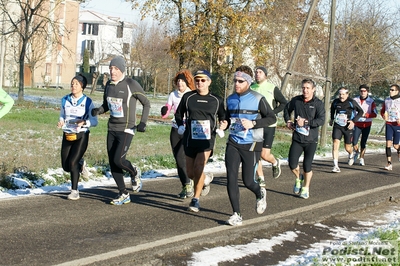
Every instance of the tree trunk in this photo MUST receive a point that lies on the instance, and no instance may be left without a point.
(21, 71)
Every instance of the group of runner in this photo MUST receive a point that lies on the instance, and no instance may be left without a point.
(248, 116)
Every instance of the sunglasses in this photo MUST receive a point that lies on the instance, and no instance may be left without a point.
(202, 80)
(363, 90)
(238, 80)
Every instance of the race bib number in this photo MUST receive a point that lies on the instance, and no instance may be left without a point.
(71, 126)
(201, 129)
(236, 128)
(393, 114)
(303, 130)
(115, 106)
(341, 119)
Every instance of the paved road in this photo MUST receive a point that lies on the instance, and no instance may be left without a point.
(156, 229)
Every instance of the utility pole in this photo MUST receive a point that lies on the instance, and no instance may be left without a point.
(328, 85)
(299, 44)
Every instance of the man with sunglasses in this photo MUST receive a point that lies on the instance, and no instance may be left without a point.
(277, 101)
(362, 126)
(248, 113)
(202, 111)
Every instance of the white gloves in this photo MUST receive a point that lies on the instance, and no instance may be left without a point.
(220, 133)
(181, 130)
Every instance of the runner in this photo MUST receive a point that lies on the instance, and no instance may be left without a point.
(391, 114)
(309, 114)
(363, 124)
(184, 82)
(342, 118)
(75, 121)
(248, 113)
(201, 109)
(277, 101)
(120, 98)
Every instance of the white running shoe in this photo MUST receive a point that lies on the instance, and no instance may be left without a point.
(362, 161)
(137, 181)
(121, 199)
(336, 169)
(209, 178)
(261, 205)
(83, 169)
(235, 219)
(74, 195)
(389, 167)
(351, 159)
(207, 181)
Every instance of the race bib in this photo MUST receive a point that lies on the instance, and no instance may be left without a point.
(115, 106)
(71, 126)
(201, 129)
(305, 130)
(393, 114)
(236, 128)
(341, 119)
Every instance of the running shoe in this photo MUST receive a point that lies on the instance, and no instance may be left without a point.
(187, 191)
(83, 168)
(351, 159)
(261, 204)
(207, 181)
(136, 180)
(298, 184)
(194, 205)
(261, 181)
(336, 169)
(209, 178)
(235, 219)
(362, 161)
(355, 156)
(182, 194)
(74, 195)
(304, 193)
(121, 199)
(389, 167)
(276, 170)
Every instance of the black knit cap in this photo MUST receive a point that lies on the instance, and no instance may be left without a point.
(263, 69)
(81, 79)
(182, 77)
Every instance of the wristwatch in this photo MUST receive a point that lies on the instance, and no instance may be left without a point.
(254, 123)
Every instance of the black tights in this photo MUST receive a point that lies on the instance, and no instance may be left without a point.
(118, 144)
(71, 153)
(249, 160)
(179, 155)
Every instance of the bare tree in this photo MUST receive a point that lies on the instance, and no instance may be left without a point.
(150, 54)
(28, 19)
(366, 48)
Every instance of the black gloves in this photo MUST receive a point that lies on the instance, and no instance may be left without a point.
(95, 111)
(141, 127)
(164, 110)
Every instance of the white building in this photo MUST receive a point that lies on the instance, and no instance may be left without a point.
(104, 37)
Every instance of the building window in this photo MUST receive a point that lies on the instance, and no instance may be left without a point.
(90, 29)
(48, 69)
(120, 30)
(89, 45)
(125, 48)
(59, 69)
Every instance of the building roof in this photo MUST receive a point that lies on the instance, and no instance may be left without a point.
(87, 16)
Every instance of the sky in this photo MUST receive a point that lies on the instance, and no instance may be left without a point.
(116, 8)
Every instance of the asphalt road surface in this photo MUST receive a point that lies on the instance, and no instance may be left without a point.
(157, 229)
